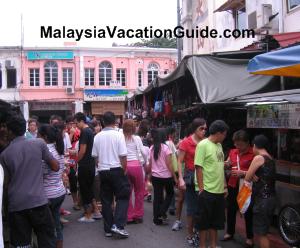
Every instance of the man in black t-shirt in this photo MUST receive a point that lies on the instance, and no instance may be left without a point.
(86, 166)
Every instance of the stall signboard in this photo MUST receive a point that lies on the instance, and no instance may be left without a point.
(38, 55)
(46, 106)
(274, 116)
(111, 95)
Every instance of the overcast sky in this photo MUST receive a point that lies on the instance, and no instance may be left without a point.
(80, 14)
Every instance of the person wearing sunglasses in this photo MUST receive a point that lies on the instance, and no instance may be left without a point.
(186, 154)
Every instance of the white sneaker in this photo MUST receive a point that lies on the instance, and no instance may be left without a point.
(97, 216)
(63, 220)
(86, 220)
(177, 225)
(121, 233)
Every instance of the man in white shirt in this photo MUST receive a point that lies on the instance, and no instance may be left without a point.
(111, 153)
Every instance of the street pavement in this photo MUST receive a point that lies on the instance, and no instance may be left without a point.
(91, 235)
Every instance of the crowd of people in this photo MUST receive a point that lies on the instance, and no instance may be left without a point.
(107, 170)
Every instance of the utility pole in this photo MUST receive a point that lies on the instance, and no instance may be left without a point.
(178, 39)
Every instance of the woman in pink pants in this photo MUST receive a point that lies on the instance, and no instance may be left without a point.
(135, 156)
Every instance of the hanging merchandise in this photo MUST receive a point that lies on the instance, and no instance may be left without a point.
(158, 107)
(167, 109)
(158, 104)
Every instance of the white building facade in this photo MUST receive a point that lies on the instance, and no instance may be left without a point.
(265, 17)
(10, 74)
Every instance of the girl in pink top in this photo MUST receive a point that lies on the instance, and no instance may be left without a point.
(162, 175)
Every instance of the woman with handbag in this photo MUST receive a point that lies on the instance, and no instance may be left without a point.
(136, 156)
(239, 160)
(186, 154)
(262, 173)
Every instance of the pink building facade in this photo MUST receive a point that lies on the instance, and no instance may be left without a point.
(65, 81)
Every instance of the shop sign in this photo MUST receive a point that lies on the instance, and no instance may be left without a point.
(38, 55)
(40, 106)
(112, 95)
(115, 83)
(274, 116)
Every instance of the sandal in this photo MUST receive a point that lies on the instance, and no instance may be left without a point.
(227, 237)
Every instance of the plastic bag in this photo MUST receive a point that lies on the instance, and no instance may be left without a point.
(244, 197)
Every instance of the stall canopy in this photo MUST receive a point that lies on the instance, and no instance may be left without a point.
(284, 62)
(286, 96)
(217, 79)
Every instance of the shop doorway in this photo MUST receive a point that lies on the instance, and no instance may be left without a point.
(44, 115)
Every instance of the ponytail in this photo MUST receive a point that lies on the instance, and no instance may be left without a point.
(159, 137)
(59, 139)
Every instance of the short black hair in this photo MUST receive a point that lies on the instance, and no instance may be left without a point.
(218, 126)
(16, 124)
(170, 130)
(241, 135)
(109, 118)
(55, 117)
(196, 123)
(69, 119)
(80, 117)
(261, 142)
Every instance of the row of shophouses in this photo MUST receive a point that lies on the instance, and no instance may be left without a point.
(69, 79)
(62, 81)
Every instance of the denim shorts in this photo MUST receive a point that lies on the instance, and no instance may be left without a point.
(190, 198)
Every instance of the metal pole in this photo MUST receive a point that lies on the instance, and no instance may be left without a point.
(178, 39)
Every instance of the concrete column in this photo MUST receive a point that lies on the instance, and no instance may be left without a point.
(78, 106)
(4, 78)
(26, 111)
(81, 72)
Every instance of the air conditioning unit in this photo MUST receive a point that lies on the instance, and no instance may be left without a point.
(259, 19)
(69, 90)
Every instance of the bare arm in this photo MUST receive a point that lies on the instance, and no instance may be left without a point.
(257, 162)
(81, 152)
(170, 166)
(199, 176)
(180, 158)
(54, 165)
(123, 160)
(149, 167)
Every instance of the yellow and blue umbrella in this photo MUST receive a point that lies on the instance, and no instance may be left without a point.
(284, 62)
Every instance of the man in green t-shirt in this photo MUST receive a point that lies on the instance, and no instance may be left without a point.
(209, 163)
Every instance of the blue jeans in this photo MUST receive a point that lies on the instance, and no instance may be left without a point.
(55, 204)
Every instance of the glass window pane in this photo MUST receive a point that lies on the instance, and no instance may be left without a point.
(293, 4)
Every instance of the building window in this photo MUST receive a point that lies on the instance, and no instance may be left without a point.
(11, 78)
(240, 18)
(67, 76)
(89, 76)
(121, 76)
(51, 73)
(105, 73)
(34, 77)
(140, 78)
(292, 4)
(152, 72)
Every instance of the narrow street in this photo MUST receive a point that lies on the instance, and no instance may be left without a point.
(91, 235)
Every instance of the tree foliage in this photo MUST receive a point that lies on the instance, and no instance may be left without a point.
(156, 42)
